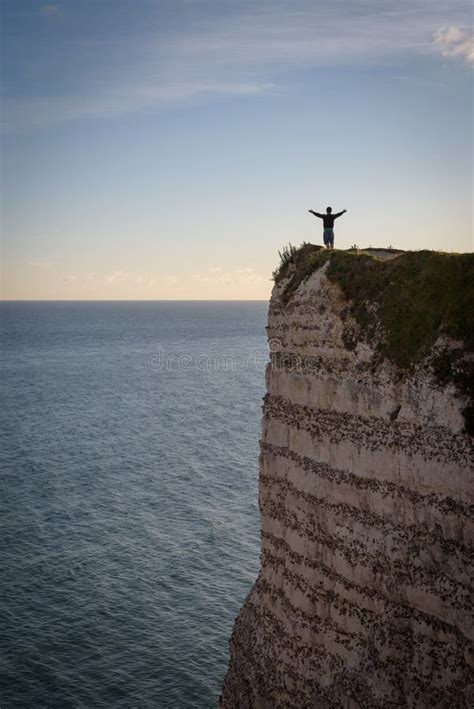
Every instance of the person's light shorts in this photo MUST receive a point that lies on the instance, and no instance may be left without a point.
(328, 237)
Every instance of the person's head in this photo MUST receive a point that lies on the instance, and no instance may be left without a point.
(328, 210)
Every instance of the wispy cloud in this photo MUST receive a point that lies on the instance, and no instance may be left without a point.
(239, 48)
(143, 281)
(20, 113)
(137, 280)
(83, 278)
(116, 276)
(277, 35)
(455, 42)
(238, 276)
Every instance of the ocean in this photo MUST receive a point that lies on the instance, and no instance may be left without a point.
(129, 522)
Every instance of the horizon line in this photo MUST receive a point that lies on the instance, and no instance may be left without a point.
(134, 300)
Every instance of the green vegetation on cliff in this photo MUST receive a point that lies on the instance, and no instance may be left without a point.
(403, 304)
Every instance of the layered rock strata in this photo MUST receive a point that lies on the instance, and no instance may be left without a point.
(364, 597)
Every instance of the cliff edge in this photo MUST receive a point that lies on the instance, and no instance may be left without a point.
(363, 598)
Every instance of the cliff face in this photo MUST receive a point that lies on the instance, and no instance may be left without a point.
(365, 489)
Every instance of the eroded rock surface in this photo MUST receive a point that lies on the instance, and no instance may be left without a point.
(364, 597)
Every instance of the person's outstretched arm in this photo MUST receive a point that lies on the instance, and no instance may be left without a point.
(339, 214)
(316, 214)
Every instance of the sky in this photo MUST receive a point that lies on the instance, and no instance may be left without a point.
(167, 149)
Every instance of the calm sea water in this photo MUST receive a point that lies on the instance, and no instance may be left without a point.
(129, 524)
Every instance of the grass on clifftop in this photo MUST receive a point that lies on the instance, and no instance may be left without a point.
(414, 297)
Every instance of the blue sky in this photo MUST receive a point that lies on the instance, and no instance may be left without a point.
(168, 149)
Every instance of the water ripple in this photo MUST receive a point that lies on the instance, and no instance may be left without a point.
(129, 517)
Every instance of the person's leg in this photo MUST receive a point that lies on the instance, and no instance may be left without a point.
(331, 239)
(325, 238)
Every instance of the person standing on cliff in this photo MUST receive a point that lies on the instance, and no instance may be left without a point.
(328, 222)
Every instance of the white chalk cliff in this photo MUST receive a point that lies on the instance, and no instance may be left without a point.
(363, 598)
